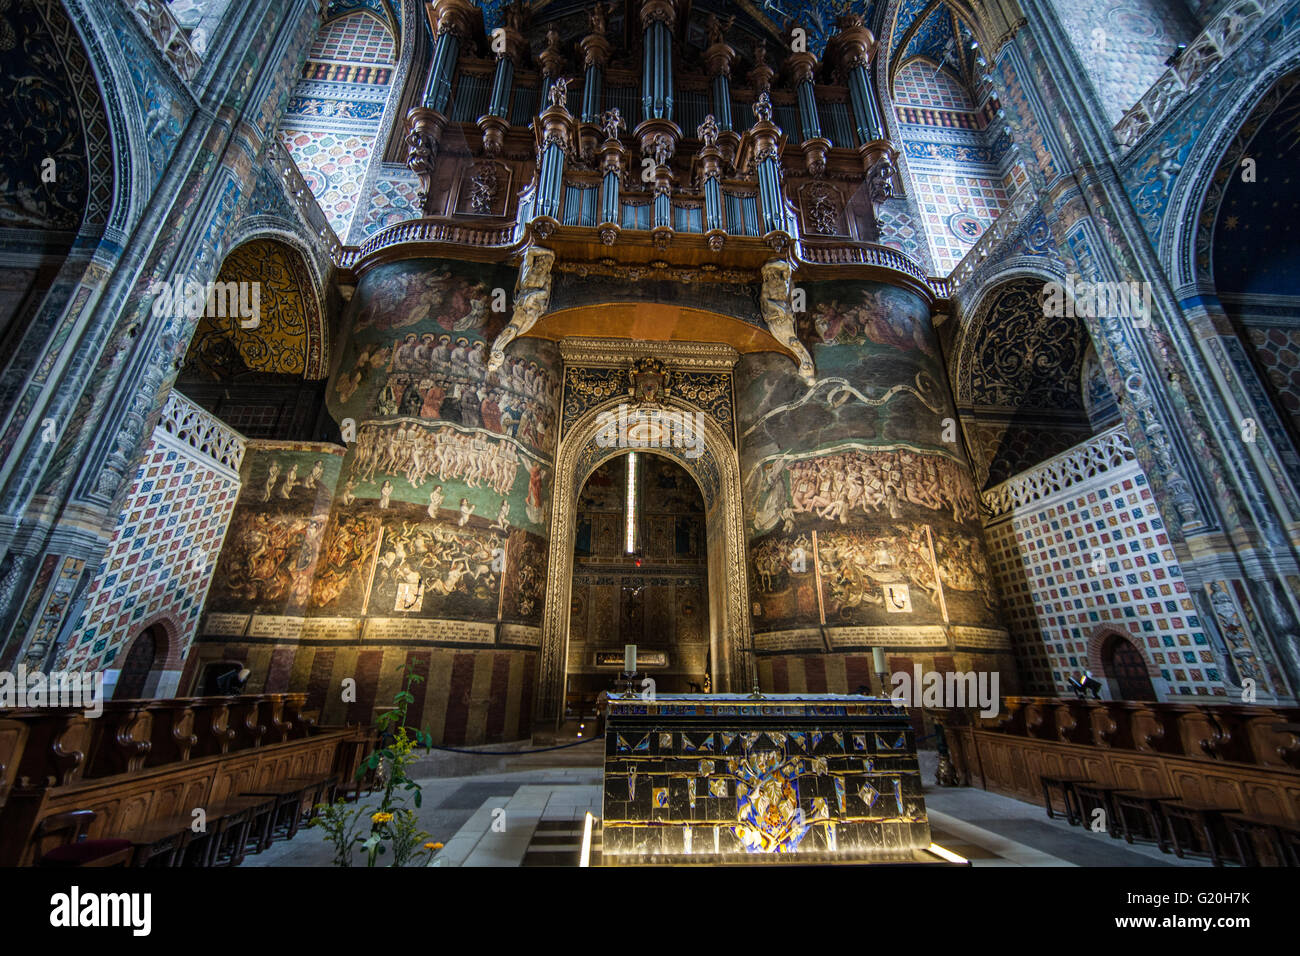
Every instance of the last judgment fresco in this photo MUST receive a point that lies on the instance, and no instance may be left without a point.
(860, 503)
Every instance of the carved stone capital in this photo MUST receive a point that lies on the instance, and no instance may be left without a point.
(494, 133)
(423, 130)
(802, 67)
(658, 11)
(452, 16)
(596, 50)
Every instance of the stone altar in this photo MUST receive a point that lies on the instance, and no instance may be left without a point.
(793, 778)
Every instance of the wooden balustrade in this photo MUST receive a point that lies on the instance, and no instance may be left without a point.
(121, 738)
(144, 761)
(245, 722)
(173, 735)
(211, 726)
(1235, 755)
(13, 738)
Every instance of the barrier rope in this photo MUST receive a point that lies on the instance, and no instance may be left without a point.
(512, 753)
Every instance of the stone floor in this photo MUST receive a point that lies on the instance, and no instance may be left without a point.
(529, 809)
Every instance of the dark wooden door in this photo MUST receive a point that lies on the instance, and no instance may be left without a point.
(136, 667)
(1124, 665)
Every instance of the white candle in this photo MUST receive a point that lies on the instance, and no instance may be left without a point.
(629, 658)
(878, 658)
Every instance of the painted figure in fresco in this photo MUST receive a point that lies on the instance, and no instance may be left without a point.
(446, 451)
(412, 400)
(315, 475)
(466, 509)
(433, 395)
(435, 501)
(343, 556)
(1225, 609)
(349, 493)
(833, 486)
(502, 523)
(385, 494)
(290, 481)
(272, 473)
(387, 399)
(471, 407)
(533, 503)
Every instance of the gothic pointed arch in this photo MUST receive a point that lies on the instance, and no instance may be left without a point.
(1016, 378)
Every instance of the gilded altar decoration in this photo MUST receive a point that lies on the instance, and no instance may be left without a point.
(771, 820)
(650, 381)
(796, 778)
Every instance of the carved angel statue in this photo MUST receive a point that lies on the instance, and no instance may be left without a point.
(532, 296)
(661, 149)
(708, 131)
(559, 91)
(596, 17)
(763, 108)
(515, 17)
(611, 121)
(881, 179)
(777, 312)
(717, 28)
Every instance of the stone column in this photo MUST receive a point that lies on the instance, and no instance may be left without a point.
(718, 59)
(658, 19)
(855, 46)
(555, 136)
(450, 21)
(864, 524)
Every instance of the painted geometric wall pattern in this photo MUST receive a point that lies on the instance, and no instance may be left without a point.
(356, 38)
(1278, 351)
(920, 83)
(335, 110)
(333, 166)
(957, 181)
(956, 208)
(1124, 44)
(1098, 555)
(394, 200)
(161, 558)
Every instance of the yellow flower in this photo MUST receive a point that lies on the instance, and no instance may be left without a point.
(381, 818)
(433, 846)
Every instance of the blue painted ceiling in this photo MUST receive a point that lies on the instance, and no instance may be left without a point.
(1257, 228)
(768, 17)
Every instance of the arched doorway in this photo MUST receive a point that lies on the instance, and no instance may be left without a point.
(139, 663)
(1126, 668)
(715, 469)
(640, 576)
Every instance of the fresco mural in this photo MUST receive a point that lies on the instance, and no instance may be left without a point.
(441, 511)
(861, 508)
(269, 559)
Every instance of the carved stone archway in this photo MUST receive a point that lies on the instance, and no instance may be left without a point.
(717, 472)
